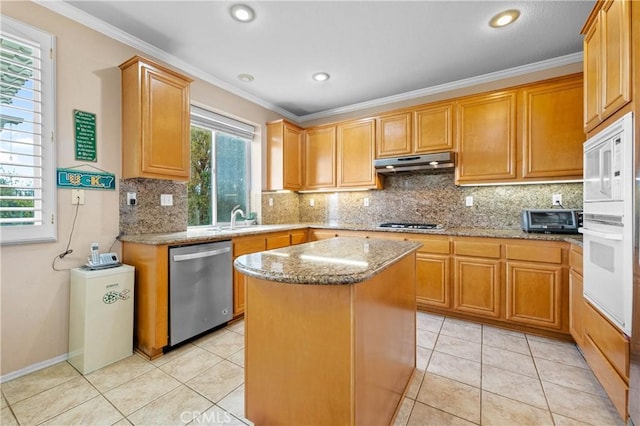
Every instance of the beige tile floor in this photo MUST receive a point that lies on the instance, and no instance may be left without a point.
(467, 374)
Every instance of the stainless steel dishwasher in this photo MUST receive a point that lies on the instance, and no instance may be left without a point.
(200, 289)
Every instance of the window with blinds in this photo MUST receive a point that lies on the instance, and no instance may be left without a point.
(220, 167)
(27, 154)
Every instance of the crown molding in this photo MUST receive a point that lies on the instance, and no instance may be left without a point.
(62, 8)
(454, 85)
(75, 14)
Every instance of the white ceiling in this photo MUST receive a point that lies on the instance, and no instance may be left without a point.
(374, 50)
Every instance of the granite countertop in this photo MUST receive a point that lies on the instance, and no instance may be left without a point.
(342, 260)
(207, 234)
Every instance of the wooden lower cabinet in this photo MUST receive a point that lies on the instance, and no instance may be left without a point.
(242, 246)
(534, 293)
(576, 297)
(476, 286)
(433, 270)
(151, 313)
(477, 277)
(254, 244)
(536, 277)
(433, 283)
(606, 350)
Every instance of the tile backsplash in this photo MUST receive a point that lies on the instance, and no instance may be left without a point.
(420, 197)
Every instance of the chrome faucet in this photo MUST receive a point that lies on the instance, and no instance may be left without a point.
(234, 214)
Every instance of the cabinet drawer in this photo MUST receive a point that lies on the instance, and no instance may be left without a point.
(575, 259)
(249, 245)
(477, 249)
(613, 384)
(534, 253)
(608, 339)
(433, 245)
(298, 237)
(278, 241)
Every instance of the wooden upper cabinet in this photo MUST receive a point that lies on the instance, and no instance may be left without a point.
(486, 137)
(592, 86)
(552, 130)
(607, 65)
(320, 157)
(155, 121)
(394, 135)
(433, 128)
(356, 145)
(284, 156)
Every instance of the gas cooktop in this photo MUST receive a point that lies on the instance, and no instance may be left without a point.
(411, 225)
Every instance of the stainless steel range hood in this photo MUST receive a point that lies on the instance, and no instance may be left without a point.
(440, 160)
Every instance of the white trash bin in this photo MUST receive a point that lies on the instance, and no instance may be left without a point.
(101, 317)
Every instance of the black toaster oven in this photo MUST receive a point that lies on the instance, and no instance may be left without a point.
(551, 221)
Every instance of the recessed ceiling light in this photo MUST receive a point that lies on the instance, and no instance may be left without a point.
(320, 76)
(505, 18)
(242, 13)
(247, 78)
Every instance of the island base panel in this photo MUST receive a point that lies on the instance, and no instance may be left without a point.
(330, 354)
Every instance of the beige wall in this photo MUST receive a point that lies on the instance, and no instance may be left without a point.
(34, 297)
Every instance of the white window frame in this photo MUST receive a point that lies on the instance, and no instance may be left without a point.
(209, 120)
(46, 231)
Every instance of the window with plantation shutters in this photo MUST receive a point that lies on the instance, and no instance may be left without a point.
(27, 152)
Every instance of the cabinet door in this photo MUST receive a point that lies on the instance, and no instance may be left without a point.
(433, 283)
(242, 246)
(486, 138)
(552, 130)
(292, 164)
(576, 307)
(320, 158)
(284, 156)
(155, 122)
(592, 78)
(151, 331)
(616, 34)
(278, 240)
(534, 294)
(477, 286)
(433, 128)
(356, 141)
(298, 237)
(393, 135)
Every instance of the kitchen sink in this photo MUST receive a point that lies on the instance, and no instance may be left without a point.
(239, 229)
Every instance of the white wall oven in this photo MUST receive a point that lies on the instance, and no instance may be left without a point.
(607, 221)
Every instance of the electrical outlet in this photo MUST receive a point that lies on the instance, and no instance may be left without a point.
(468, 201)
(131, 198)
(270, 202)
(77, 196)
(556, 199)
(166, 199)
(312, 202)
(366, 201)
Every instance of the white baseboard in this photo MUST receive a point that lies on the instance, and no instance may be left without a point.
(33, 367)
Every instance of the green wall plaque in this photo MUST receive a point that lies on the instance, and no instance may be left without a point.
(85, 130)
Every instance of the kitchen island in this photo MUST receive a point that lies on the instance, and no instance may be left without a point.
(329, 331)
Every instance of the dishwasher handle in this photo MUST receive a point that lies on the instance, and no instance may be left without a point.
(201, 254)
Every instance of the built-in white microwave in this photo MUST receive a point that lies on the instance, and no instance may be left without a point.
(603, 168)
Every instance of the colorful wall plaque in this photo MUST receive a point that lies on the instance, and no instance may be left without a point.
(85, 131)
(80, 179)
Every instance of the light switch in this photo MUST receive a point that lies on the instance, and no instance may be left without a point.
(166, 199)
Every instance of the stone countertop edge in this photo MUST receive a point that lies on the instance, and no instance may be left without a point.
(203, 235)
(334, 261)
